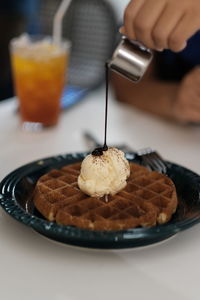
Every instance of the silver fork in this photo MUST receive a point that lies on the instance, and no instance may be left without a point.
(152, 159)
(149, 158)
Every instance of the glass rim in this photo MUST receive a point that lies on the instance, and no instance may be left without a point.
(14, 42)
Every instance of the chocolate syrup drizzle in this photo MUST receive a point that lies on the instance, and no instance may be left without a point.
(99, 151)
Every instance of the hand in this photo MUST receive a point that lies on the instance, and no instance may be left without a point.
(162, 24)
(186, 107)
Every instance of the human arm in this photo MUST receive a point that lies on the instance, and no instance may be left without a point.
(186, 107)
(150, 95)
(171, 100)
(163, 24)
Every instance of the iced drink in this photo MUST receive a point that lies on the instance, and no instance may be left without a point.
(39, 72)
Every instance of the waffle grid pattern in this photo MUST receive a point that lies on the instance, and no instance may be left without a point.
(148, 199)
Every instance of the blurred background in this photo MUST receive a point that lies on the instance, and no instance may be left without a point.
(91, 25)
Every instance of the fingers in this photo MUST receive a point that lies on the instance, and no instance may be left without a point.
(185, 112)
(192, 80)
(129, 17)
(166, 23)
(183, 31)
(187, 104)
(190, 115)
(162, 24)
(145, 21)
(194, 101)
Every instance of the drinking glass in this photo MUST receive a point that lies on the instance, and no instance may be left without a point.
(39, 71)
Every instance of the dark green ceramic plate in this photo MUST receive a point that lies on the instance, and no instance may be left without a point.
(15, 198)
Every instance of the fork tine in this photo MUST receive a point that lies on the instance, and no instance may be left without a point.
(157, 165)
(159, 161)
(152, 163)
(156, 162)
(148, 162)
(152, 160)
(144, 151)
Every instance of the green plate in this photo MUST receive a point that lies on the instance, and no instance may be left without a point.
(17, 187)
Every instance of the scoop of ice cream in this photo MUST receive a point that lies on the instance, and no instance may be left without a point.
(104, 174)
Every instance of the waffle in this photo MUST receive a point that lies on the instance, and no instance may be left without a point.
(148, 199)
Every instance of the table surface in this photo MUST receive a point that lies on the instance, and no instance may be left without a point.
(32, 266)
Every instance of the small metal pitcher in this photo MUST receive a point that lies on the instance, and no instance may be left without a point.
(130, 59)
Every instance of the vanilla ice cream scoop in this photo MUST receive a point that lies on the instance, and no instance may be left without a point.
(104, 174)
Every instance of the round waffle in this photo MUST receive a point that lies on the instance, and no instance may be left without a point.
(148, 199)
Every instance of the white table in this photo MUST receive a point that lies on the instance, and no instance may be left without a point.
(33, 267)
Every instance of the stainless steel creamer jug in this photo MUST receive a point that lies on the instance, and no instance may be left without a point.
(130, 59)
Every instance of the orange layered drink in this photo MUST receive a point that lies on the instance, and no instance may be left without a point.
(39, 72)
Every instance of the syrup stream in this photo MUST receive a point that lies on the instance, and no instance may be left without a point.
(99, 151)
(105, 147)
